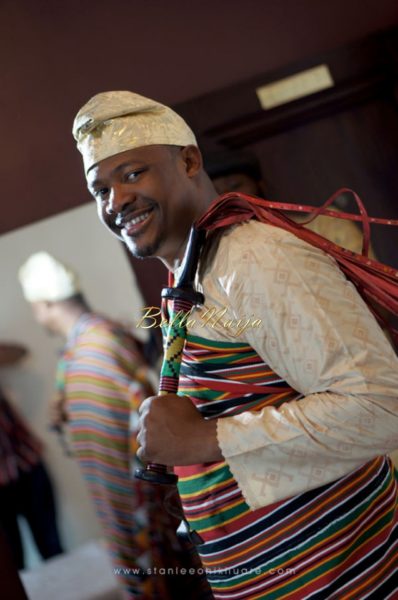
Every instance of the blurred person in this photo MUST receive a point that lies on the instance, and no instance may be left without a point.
(101, 381)
(239, 171)
(235, 172)
(280, 429)
(25, 486)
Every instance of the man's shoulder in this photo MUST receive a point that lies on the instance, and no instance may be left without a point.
(90, 321)
(94, 324)
(254, 237)
(244, 249)
(255, 232)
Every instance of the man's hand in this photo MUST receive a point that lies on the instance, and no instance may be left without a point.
(172, 432)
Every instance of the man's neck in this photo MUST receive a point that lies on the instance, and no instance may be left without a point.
(69, 319)
(208, 194)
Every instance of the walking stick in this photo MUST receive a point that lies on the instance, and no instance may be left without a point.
(183, 297)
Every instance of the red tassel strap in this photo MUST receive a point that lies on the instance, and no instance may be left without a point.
(377, 283)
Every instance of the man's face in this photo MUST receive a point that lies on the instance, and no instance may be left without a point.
(43, 314)
(237, 182)
(146, 197)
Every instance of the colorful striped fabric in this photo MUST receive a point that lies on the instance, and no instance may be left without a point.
(338, 541)
(97, 375)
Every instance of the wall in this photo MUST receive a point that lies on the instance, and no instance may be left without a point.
(77, 238)
(55, 58)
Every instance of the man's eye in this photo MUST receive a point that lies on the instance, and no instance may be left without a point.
(101, 193)
(133, 175)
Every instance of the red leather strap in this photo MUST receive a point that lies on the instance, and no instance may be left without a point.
(376, 282)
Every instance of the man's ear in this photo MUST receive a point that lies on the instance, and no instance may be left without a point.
(192, 160)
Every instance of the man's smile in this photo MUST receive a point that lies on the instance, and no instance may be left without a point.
(134, 223)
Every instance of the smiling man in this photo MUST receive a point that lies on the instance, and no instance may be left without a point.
(280, 434)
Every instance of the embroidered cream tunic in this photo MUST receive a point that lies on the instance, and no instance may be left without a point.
(318, 335)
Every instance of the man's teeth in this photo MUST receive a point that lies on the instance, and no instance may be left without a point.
(138, 219)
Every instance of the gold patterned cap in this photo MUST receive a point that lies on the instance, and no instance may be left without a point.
(113, 122)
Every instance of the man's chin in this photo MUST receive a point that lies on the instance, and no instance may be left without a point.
(148, 251)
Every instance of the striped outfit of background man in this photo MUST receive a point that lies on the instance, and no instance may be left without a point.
(97, 376)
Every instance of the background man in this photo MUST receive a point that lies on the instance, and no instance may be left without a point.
(101, 380)
(240, 171)
(285, 478)
(235, 172)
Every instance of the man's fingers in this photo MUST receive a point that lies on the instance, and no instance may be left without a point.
(140, 454)
(144, 406)
(141, 437)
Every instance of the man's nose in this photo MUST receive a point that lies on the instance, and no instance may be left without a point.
(118, 199)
